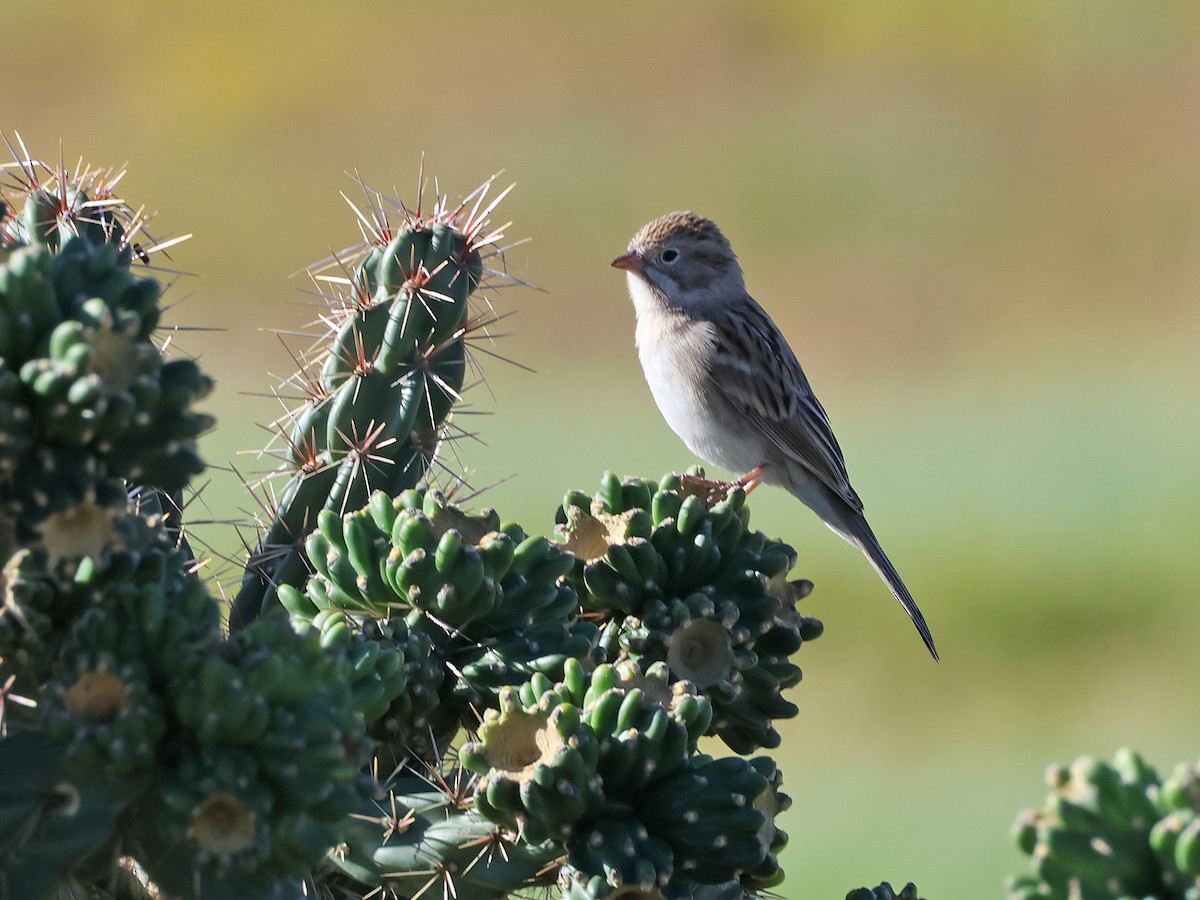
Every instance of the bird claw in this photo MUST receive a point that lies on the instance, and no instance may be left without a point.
(711, 492)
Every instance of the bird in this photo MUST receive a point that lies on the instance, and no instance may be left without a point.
(728, 383)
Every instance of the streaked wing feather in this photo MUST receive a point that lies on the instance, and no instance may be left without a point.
(782, 407)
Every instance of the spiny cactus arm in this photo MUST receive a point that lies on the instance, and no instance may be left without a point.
(1113, 829)
(223, 766)
(381, 383)
(420, 837)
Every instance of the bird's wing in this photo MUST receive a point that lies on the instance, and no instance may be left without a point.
(755, 371)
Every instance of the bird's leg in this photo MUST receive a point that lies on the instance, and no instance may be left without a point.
(750, 480)
(712, 492)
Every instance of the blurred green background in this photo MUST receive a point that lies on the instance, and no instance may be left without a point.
(978, 223)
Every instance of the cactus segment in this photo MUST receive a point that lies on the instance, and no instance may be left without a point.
(416, 838)
(381, 389)
(604, 761)
(618, 852)
(49, 820)
(710, 817)
(484, 602)
(538, 767)
(77, 329)
(1113, 829)
(271, 769)
(695, 588)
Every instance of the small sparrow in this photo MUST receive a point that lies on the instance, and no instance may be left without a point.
(727, 382)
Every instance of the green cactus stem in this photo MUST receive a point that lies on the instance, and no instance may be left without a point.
(695, 587)
(77, 329)
(380, 385)
(1112, 830)
(472, 603)
(419, 840)
(604, 764)
(130, 723)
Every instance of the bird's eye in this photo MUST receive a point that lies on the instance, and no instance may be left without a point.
(669, 256)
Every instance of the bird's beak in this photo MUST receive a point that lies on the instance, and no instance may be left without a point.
(630, 262)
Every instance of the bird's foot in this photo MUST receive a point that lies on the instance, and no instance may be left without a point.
(712, 492)
(750, 480)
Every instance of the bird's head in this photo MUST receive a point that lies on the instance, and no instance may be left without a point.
(684, 259)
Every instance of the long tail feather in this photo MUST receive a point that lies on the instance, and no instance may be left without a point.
(863, 538)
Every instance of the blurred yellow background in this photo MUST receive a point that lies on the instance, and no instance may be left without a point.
(978, 223)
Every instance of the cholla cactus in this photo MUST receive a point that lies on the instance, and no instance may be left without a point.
(379, 383)
(470, 604)
(414, 698)
(679, 582)
(587, 723)
(133, 729)
(1113, 830)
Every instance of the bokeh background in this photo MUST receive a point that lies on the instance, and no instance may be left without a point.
(978, 223)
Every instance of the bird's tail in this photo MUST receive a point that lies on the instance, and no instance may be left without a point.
(859, 533)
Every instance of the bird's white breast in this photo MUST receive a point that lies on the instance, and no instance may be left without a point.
(675, 349)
